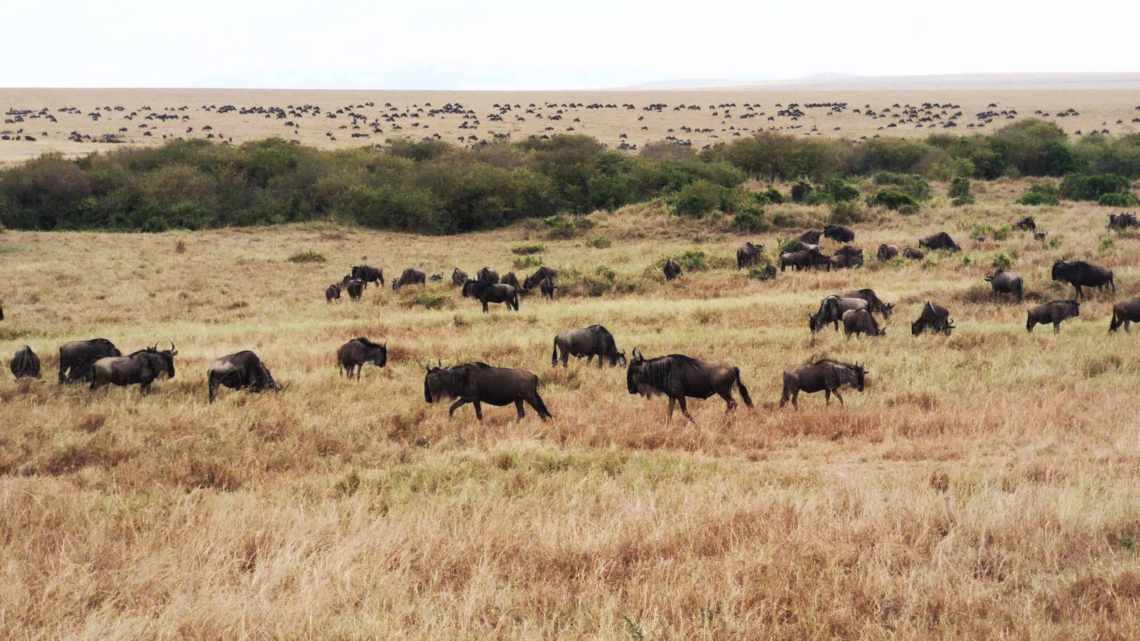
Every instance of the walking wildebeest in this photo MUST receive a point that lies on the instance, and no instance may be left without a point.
(358, 351)
(806, 259)
(1026, 224)
(887, 252)
(935, 318)
(941, 240)
(678, 376)
(77, 357)
(810, 237)
(1053, 313)
(492, 293)
(332, 292)
(368, 274)
(487, 276)
(25, 363)
(591, 341)
(823, 375)
(1004, 282)
(547, 288)
(480, 383)
(671, 269)
(839, 233)
(409, 277)
(874, 303)
(138, 368)
(510, 279)
(1123, 313)
(861, 321)
(458, 277)
(1079, 274)
(242, 370)
(1122, 221)
(831, 310)
(539, 275)
(747, 255)
(913, 254)
(355, 288)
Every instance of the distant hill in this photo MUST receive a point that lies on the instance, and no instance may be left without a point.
(836, 81)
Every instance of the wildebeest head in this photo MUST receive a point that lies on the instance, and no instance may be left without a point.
(441, 382)
(633, 372)
(860, 374)
(160, 361)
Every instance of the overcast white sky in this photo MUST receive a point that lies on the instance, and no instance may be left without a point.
(540, 44)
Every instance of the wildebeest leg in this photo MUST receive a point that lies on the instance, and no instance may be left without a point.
(460, 402)
(519, 408)
(839, 396)
(478, 410)
(669, 416)
(1056, 328)
(484, 307)
(827, 395)
(727, 396)
(359, 368)
(540, 407)
(685, 409)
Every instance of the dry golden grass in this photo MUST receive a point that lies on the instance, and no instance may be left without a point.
(986, 485)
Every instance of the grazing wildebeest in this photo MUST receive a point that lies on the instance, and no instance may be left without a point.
(353, 355)
(671, 269)
(747, 255)
(861, 321)
(410, 276)
(355, 288)
(492, 293)
(1053, 313)
(1079, 274)
(913, 254)
(806, 259)
(887, 252)
(1122, 221)
(874, 303)
(935, 318)
(1125, 313)
(332, 292)
(368, 274)
(539, 275)
(810, 237)
(242, 370)
(458, 277)
(1004, 282)
(547, 288)
(591, 341)
(678, 376)
(511, 279)
(847, 257)
(480, 383)
(839, 233)
(77, 357)
(798, 246)
(941, 240)
(823, 375)
(487, 276)
(25, 363)
(1026, 224)
(831, 310)
(141, 368)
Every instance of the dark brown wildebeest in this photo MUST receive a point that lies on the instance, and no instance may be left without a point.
(539, 275)
(138, 368)
(798, 246)
(355, 288)
(480, 383)
(941, 240)
(839, 233)
(810, 237)
(911, 253)
(1122, 221)
(935, 318)
(487, 276)
(332, 292)
(1004, 282)
(678, 376)
(874, 303)
(547, 288)
(1, 312)
(831, 310)
(368, 274)
(25, 363)
(806, 259)
(747, 255)
(1125, 313)
(591, 341)
(353, 355)
(242, 370)
(1079, 274)
(1026, 224)
(1053, 312)
(671, 269)
(887, 252)
(823, 375)
(410, 276)
(458, 277)
(492, 293)
(861, 321)
(847, 257)
(77, 357)
(511, 279)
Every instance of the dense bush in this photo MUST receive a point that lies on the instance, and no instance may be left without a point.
(893, 199)
(1117, 199)
(1040, 194)
(959, 191)
(701, 197)
(1093, 186)
(840, 190)
(749, 219)
(914, 186)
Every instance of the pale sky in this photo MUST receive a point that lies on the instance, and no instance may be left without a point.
(536, 44)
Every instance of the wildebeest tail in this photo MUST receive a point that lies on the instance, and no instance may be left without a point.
(743, 390)
(427, 392)
(541, 407)
(1116, 321)
(554, 355)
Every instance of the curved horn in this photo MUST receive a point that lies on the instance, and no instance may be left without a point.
(173, 349)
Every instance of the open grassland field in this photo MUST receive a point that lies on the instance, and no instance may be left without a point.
(78, 121)
(985, 485)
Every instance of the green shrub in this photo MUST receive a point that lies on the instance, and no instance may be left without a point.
(763, 272)
(693, 260)
(768, 197)
(750, 220)
(801, 191)
(845, 213)
(959, 191)
(1093, 186)
(1040, 194)
(566, 227)
(699, 198)
(841, 190)
(914, 186)
(1002, 260)
(1117, 200)
(599, 242)
(893, 199)
(526, 262)
(307, 256)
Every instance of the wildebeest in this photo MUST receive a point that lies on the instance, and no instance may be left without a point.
(935, 318)
(797, 246)
(547, 288)
(332, 292)
(1026, 224)
(913, 254)
(138, 368)
(747, 255)
(1053, 313)
(591, 341)
(242, 370)
(1079, 274)
(411, 276)
(1, 312)
(510, 279)
(355, 288)
(25, 363)
(458, 277)
(368, 274)
(824, 375)
(810, 236)
(847, 257)
(539, 275)
(1004, 282)
(839, 233)
(1122, 221)
(874, 303)
(353, 355)
(678, 376)
(887, 252)
(831, 310)
(671, 269)
(480, 383)
(77, 357)
(941, 240)
(805, 259)
(1125, 313)
(492, 293)
(861, 321)
(487, 275)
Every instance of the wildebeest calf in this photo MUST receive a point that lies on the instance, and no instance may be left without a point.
(671, 269)
(332, 292)
(1053, 312)
(887, 252)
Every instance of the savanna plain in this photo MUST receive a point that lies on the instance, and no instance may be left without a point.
(985, 485)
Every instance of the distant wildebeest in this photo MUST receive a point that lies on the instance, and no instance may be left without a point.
(1004, 282)
(1122, 221)
(935, 318)
(541, 274)
(806, 259)
(847, 257)
(678, 376)
(811, 236)
(77, 357)
(941, 240)
(671, 269)
(353, 355)
(138, 368)
(1123, 313)
(242, 370)
(591, 341)
(492, 293)
(332, 292)
(487, 276)
(410, 276)
(823, 375)
(861, 321)
(355, 288)
(510, 279)
(839, 233)
(874, 303)
(547, 288)
(887, 252)
(831, 310)
(368, 274)
(458, 277)
(747, 255)
(1079, 274)
(911, 253)
(798, 246)
(1026, 224)
(1053, 312)
(25, 363)
(1, 312)
(480, 383)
